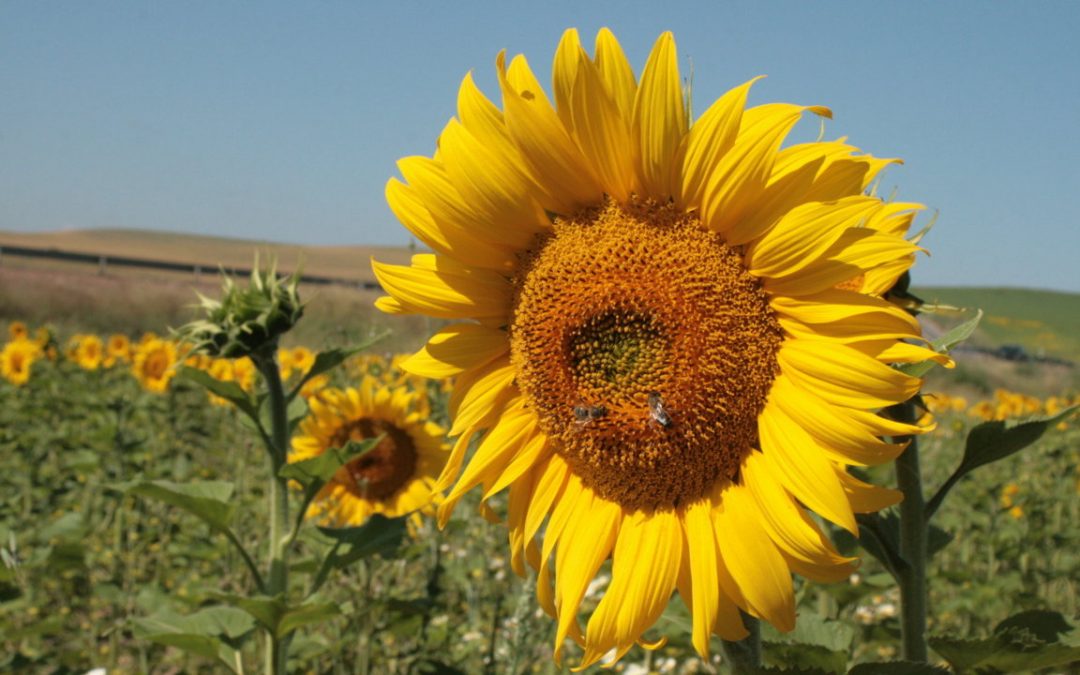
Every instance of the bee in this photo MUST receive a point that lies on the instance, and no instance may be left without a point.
(583, 414)
(657, 411)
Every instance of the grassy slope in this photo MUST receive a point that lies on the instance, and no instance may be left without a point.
(1044, 322)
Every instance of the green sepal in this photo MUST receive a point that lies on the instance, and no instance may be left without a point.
(944, 344)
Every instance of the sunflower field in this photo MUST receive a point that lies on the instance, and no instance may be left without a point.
(670, 415)
(90, 573)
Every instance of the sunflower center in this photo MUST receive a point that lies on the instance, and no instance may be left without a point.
(386, 468)
(646, 349)
(156, 365)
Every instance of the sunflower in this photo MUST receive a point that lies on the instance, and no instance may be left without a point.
(396, 477)
(16, 359)
(17, 330)
(154, 363)
(88, 351)
(651, 330)
(117, 350)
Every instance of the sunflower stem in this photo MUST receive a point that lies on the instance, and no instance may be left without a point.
(745, 654)
(277, 578)
(913, 537)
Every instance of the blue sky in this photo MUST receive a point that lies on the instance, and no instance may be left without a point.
(283, 121)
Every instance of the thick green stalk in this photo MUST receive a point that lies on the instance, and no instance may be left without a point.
(277, 577)
(913, 536)
(745, 655)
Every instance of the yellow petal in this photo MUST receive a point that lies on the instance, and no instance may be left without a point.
(513, 430)
(457, 348)
(844, 376)
(564, 74)
(754, 562)
(584, 544)
(545, 144)
(601, 132)
(644, 571)
(479, 395)
(864, 497)
(443, 237)
(616, 72)
(660, 119)
(501, 201)
(843, 433)
(794, 459)
(534, 452)
(891, 351)
(741, 175)
(710, 137)
(442, 287)
(703, 562)
(844, 307)
(804, 234)
(857, 251)
(799, 539)
(550, 484)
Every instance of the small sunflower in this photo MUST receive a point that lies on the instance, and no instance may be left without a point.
(396, 477)
(154, 363)
(17, 330)
(16, 359)
(88, 351)
(669, 334)
(117, 350)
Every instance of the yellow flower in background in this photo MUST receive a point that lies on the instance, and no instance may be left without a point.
(285, 362)
(117, 350)
(16, 359)
(315, 385)
(244, 373)
(647, 330)
(1017, 512)
(88, 351)
(302, 359)
(1007, 494)
(154, 364)
(17, 330)
(396, 477)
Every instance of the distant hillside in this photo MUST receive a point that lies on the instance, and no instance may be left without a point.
(346, 262)
(1044, 322)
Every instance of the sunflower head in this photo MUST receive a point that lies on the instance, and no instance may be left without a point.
(154, 364)
(397, 476)
(16, 358)
(17, 330)
(669, 336)
(246, 321)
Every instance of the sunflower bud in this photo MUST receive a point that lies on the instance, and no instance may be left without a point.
(246, 321)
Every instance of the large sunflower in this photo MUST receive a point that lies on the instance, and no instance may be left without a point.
(652, 328)
(395, 478)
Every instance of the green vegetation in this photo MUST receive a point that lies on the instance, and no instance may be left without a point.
(1045, 323)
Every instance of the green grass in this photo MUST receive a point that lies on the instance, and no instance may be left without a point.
(1044, 322)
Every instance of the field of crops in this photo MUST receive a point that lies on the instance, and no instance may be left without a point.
(94, 576)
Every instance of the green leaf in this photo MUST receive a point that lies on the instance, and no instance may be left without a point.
(816, 642)
(897, 668)
(1044, 624)
(306, 614)
(378, 535)
(992, 441)
(267, 610)
(944, 344)
(322, 468)
(198, 632)
(273, 614)
(230, 391)
(207, 500)
(1026, 641)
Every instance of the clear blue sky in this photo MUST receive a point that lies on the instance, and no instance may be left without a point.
(282, 121)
